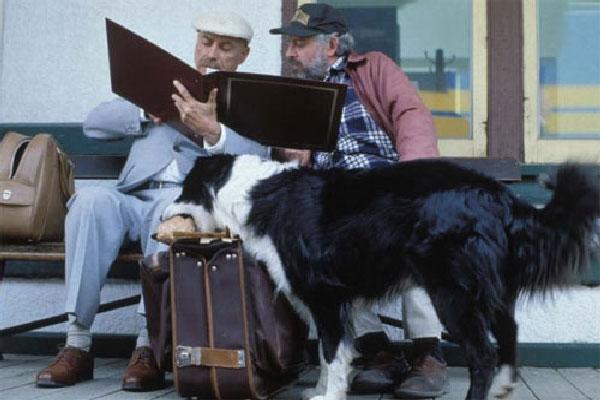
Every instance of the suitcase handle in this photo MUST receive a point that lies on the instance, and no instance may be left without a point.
(200, 236)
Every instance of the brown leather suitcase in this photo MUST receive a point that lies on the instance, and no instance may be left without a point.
(232, 336)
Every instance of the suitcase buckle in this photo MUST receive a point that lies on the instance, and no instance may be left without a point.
(186, 356)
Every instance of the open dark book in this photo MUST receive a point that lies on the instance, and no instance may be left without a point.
(272, 110)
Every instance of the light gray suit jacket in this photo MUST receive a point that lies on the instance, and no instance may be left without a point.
(156, 145)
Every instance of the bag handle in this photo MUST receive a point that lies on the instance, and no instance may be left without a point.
(200, 236)
(9, 144)
(66, 179)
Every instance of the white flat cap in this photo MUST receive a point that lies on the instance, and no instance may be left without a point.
(224, 23)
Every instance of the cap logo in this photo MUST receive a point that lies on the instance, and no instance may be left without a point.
(301, 17)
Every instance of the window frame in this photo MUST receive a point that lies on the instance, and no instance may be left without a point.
(476, 146)
(543, 149)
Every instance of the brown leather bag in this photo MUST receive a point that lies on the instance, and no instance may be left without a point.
(36, 180)
(232, 336)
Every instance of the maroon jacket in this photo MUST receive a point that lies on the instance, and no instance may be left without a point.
(394, 103)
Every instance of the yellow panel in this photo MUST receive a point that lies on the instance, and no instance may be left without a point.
(446, 101)
(572, 123)
(448, 127)
(571, 96)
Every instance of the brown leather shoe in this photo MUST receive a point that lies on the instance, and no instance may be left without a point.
(380, 374)
(70, 366)
(142, 373)
(426, 379)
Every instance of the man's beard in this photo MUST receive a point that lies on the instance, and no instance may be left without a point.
(316, 69)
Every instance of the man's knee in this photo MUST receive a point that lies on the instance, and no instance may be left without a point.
(92, 199)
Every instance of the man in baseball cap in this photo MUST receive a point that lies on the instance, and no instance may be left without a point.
(383, 121)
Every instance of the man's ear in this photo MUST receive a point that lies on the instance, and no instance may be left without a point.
(333, 44)
(245, 54)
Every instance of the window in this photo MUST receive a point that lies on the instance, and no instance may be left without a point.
(442, 51)
(569, 70)
(562, 78)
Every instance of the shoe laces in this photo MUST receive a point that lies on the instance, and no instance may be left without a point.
(141, 356)
(61, 357)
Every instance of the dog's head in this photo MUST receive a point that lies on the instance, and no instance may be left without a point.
(205, 179)
(215, 190)
(197, 198)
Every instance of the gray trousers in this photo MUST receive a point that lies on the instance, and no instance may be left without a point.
(419, 316)
(99, 221)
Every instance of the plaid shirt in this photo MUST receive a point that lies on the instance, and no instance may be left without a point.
(361, 142)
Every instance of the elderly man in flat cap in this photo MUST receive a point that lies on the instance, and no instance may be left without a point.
(101, 219)
(384, 121)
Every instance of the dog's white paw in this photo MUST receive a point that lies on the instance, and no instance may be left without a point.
(311, 393)
(323, 397)
(503, 384)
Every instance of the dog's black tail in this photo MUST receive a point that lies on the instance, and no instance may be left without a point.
(551, 245)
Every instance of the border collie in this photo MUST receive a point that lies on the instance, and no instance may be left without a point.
(332, 237)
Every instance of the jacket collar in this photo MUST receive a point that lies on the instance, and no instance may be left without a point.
(355, 58)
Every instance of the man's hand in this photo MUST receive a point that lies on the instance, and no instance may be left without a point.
(199, 117)
(175, 224)
(155, 120)
(283, 154)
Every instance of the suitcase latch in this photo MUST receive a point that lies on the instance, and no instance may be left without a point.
(186, 356)
(6, 194)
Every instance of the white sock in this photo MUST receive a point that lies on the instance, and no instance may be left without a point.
(142, 339)
(79, 336)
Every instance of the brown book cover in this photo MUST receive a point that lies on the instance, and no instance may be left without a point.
(272, 110)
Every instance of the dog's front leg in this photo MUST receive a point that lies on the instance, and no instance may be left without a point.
(321, 387)
(336, 373)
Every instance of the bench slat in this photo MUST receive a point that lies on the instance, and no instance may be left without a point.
(52, 251)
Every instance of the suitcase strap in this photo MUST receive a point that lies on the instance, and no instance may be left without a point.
(209, 357)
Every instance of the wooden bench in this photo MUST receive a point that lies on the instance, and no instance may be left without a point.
(104, 160)
(93, 160)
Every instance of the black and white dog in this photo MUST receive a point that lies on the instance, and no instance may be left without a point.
(332, 237)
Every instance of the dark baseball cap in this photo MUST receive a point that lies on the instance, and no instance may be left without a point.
(314, 19)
